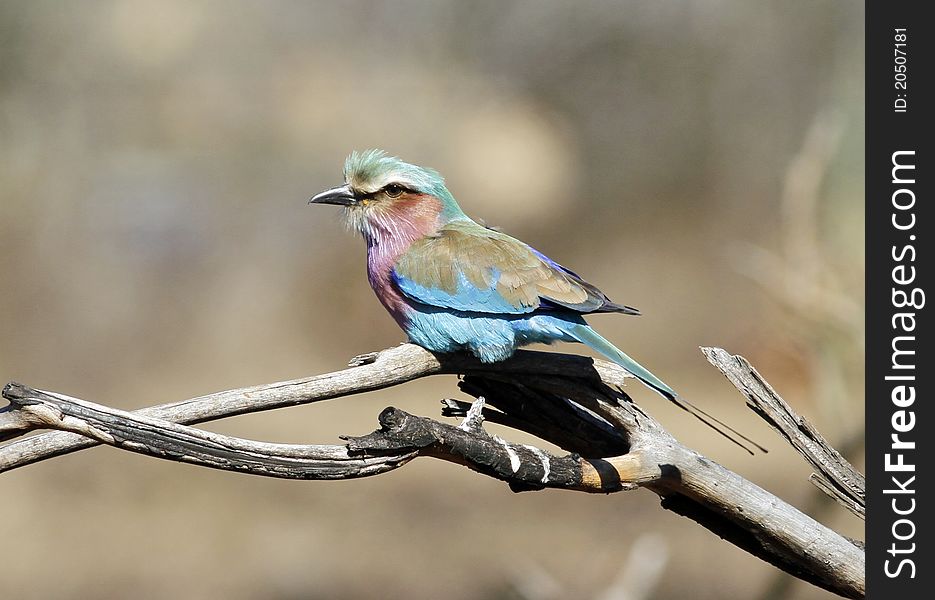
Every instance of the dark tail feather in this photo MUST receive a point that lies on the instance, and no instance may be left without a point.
(589, 337)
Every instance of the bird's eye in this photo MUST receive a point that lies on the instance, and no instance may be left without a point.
(393, 190)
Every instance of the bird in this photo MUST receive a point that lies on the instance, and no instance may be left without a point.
(453, 284)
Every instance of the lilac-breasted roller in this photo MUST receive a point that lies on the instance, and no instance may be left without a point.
(452, 284)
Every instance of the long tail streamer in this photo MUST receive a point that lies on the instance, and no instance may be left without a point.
(592, 339)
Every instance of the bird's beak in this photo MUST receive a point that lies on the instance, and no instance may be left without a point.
(341, 195)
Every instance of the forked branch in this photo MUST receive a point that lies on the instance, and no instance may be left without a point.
(571, 401)
(834, 475)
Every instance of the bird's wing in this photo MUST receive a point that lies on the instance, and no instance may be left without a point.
(470, 268)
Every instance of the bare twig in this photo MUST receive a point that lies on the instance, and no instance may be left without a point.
(835, 475)
(373, 371)
(164, 439)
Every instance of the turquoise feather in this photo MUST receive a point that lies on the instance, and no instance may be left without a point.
(593, 339)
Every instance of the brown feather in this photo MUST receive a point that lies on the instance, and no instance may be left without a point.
(480, 254)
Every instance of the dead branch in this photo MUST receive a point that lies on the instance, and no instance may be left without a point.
(571, 401)
(369, 372)
(835, 476)
(164, 439)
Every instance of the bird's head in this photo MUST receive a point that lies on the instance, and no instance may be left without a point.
(385, 197)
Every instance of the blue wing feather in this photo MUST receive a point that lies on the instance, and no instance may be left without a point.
(466, 297)
(468, 268)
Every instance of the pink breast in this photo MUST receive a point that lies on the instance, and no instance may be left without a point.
(380, 274)
(390, 233)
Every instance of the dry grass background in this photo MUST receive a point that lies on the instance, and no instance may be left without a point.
(699, 160)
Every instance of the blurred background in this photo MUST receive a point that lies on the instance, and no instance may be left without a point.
(701, 160)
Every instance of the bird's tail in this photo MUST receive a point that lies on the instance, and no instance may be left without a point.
(592, 339)
(589, 337)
